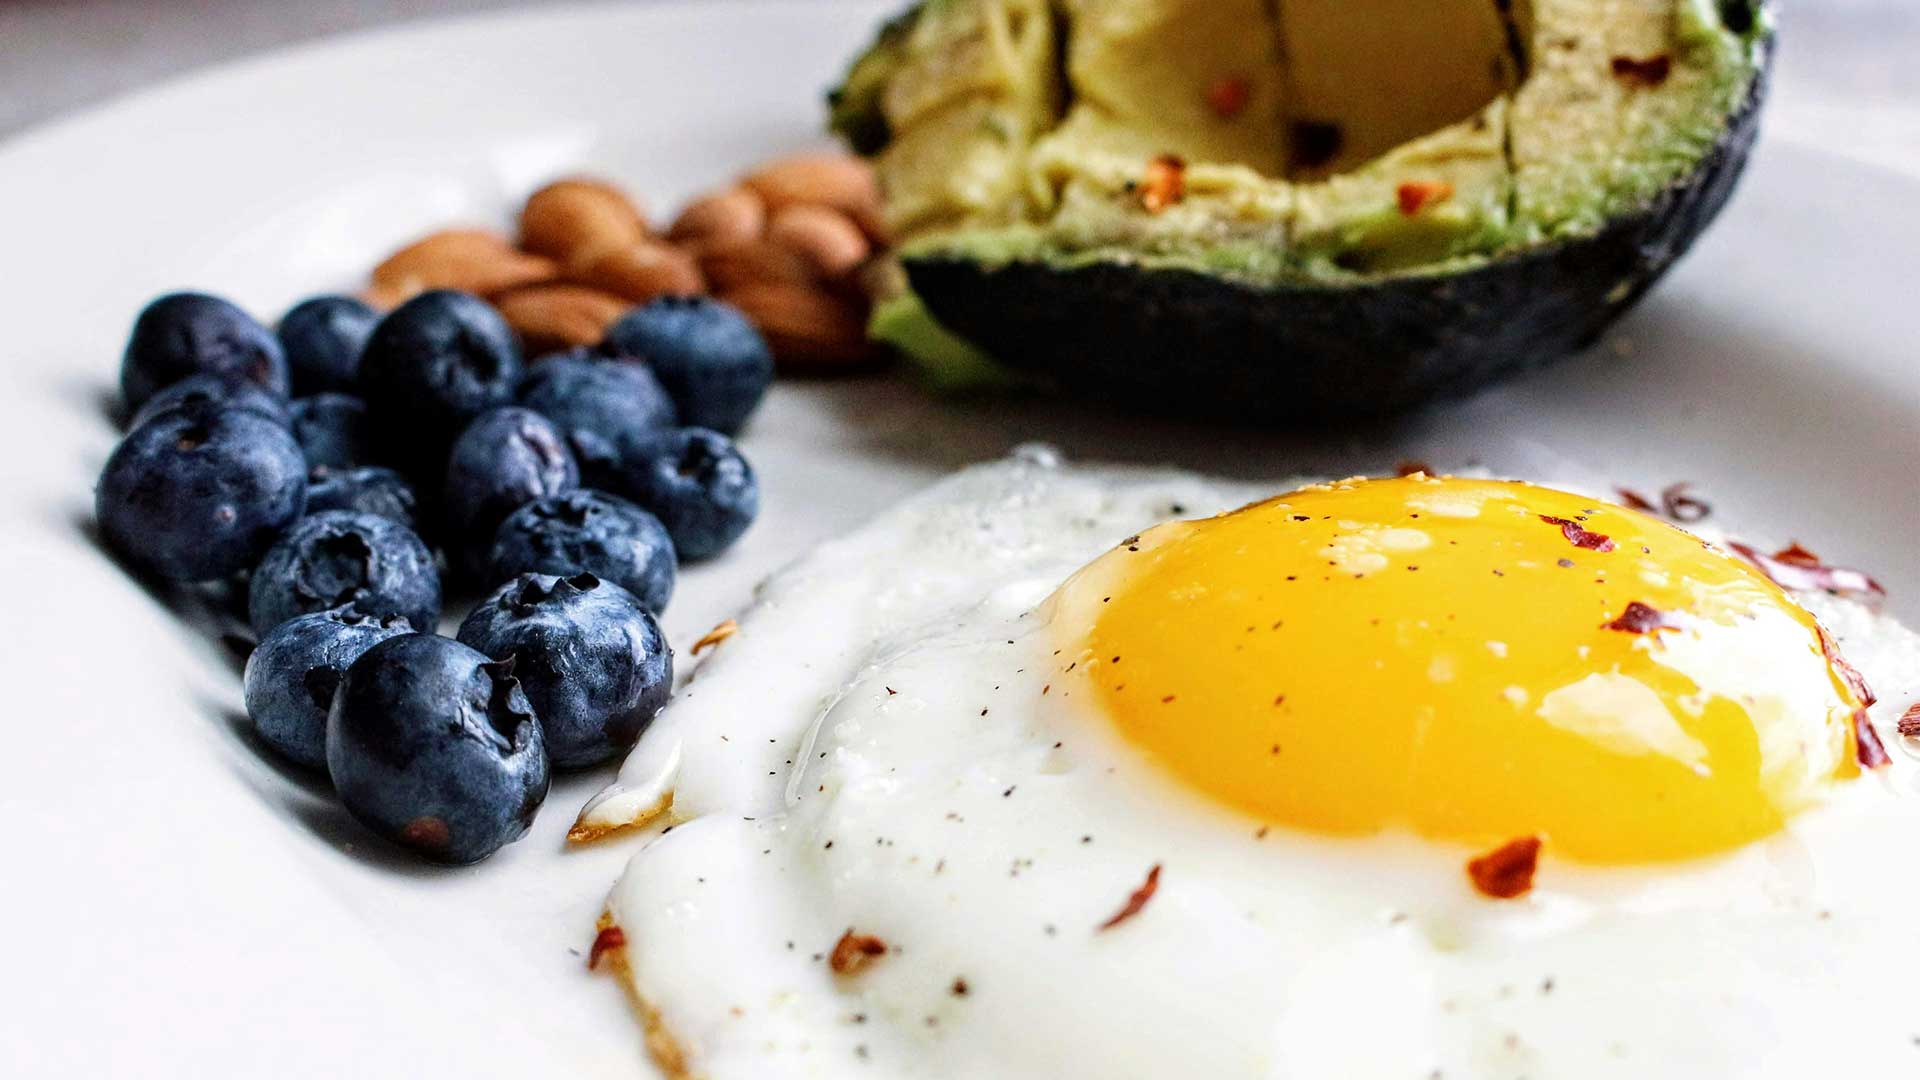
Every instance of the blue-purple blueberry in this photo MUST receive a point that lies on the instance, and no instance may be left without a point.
(434, 747)
(187, 333)
(292, 674)
(369, 489)
(339, 557)
(333, 430)
(590, 657)
(590, 532)
(323, 336)
(598, 402)
(199, 491)
(696, 482)
(217, 390)
(431, 366)
(706, 353)
(506, 458)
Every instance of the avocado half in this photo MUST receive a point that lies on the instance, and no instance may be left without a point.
(1294, 209)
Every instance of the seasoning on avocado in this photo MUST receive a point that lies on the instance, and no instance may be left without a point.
(1228, 97)
(1165, 184)
(1506, 872)
(1650, 72)
(1315, 144)
(1416, 195)
(1036, 241)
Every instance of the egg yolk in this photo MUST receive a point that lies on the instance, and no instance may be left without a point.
(1472, 659)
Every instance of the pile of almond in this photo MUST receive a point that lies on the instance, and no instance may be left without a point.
(789, 244)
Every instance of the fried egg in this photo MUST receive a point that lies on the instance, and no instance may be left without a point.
(1061, 771)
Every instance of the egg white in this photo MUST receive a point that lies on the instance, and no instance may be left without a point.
(879, 748)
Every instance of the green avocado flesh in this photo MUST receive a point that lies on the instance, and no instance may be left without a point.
(1314, 141)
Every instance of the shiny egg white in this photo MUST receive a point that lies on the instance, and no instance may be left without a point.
(876, 750)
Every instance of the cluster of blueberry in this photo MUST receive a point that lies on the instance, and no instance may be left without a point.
(572, 486)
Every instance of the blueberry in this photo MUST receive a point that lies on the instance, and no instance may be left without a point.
(340, 557)
(184, 334)
(199, 491)
(712, 361)
(597, 402)
(506, 458)
(434, 747)
(292, 674)
(587, 531)
(696, 483)
(333, 430)
(323, 337)
(591, 659)
(431, 366)
(221, 390)
(367, 490)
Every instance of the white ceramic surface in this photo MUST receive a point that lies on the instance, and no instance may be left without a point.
(174, 904)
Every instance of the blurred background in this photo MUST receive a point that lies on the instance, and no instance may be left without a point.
(1847, 78)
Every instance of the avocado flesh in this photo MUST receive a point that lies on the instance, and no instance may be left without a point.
(1384, 73)
(1538, 137)
(961, 89)
(1589, 144)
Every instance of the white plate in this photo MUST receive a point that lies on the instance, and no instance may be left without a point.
(173, 904)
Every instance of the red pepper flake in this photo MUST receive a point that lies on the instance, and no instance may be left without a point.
(1411, 466)
(1909, 725)
(1165, 185)
(1795, 567)
(1507, 871)
(1135, 902)
(1674, 503)
(1417, 195)
(1849, 674)
(1649, 72)
(1579, 537)
(1867, 749)
(1229, 96)
(1795, 555)
(1682, 507)
(608, 939)
(1640, 618)
(855, 951)
(1633, 500)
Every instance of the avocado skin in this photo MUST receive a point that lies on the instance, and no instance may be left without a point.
(1183, 342)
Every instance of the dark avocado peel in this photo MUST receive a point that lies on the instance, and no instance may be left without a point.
(1330, 251)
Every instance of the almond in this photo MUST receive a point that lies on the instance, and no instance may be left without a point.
(825, 236)
(569, 218)
(471, 260)
(559, 315)
(811, 331)
(840, 181)
(640, 272)
(756, 262)
(724, 219)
